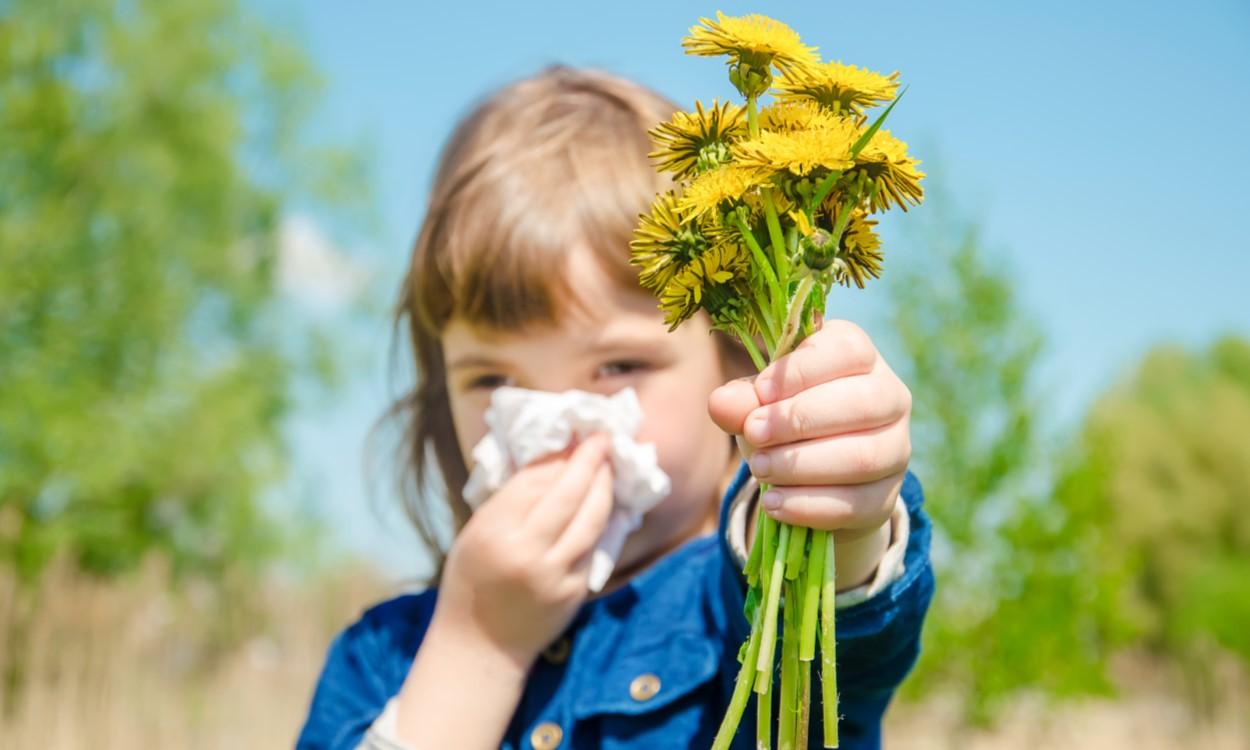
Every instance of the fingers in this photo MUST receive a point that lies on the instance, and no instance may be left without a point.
(835, 507)
(514, 501)
(837, 350)
(848, 404)
(557, 506)
(729, 405)
(588, 523)
(853, 458)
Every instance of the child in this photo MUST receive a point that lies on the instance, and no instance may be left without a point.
(520, 277)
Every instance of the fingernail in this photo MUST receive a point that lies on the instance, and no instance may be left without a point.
(760, 464)
(757, 430)
(771, 500)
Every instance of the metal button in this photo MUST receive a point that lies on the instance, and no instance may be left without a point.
(644, 687)
(558, 652)
(546, 736)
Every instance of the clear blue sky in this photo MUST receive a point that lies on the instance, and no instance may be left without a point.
(1103, 147)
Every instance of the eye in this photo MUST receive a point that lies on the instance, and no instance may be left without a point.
(487, 382)
(617, 368)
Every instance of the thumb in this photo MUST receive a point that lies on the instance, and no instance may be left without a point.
(729, 405)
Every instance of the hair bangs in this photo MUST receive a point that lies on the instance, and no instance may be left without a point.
(498, 251)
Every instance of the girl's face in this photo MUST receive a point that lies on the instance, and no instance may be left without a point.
(621, 341)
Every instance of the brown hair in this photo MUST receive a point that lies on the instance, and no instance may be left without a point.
(541, 165)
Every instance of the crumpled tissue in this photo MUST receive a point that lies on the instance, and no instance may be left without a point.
(526, 425)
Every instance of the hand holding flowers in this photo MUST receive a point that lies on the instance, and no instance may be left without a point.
(827, 427)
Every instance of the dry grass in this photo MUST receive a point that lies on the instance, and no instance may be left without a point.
(1148, 715)
(130, 664)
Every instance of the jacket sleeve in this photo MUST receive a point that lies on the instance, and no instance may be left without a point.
(365, 666)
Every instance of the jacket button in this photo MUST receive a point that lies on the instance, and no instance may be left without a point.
(644, 687)
(558, 652)
(546, 736)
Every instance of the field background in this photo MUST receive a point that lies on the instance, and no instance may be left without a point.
(205, 210)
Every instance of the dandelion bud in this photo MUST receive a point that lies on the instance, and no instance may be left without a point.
(819, 249)
(750, 79)
(711, 156)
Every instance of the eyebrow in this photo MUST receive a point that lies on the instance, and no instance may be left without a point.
(625, 342)
(472, 360)
(648, 343)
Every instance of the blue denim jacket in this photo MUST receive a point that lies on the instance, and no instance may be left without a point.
(679, 621)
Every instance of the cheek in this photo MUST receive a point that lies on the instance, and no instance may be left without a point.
(468, 417)
(690, 446)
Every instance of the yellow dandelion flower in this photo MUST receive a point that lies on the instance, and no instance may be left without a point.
(752, 43)
(796, 115)
(664, 242)
(799, 152)
(859, 252)
(693, 142)
(885, 168)
(844, 89)
(714, 188)
(712, 280)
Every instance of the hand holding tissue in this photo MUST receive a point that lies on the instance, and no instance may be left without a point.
(526, 425)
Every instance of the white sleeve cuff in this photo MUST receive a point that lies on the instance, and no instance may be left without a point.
(381, 734)
(889, 570)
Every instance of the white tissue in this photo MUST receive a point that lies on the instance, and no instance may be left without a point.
(526, 425)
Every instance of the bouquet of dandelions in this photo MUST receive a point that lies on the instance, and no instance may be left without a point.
(772, 208)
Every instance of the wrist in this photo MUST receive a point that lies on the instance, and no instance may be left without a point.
(466, 641)
(455, 666)
(857, 554)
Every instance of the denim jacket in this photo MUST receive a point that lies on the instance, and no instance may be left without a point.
(649, 665)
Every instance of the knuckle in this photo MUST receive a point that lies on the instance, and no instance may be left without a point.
(800, 420)
(513, 569)
(863, 458)
(857, 348)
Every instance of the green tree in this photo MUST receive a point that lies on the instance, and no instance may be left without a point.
(1012, 608)
(1159, 485)
(147, 152)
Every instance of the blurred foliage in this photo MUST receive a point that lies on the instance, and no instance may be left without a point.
(149, 150)
(1159, 487)
(1011, 609)
(1132, 532)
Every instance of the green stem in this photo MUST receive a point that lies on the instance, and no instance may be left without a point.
(742, 689)
(748, 341)
(768, 328)
(788, 714)
(794, 558)
(763, 716)
(793, 324)
(777, 298)
(768, 645)
(828, 646)
(813, 574)
(768, 538)
(764, 692)
(805, 704)
(774, 234)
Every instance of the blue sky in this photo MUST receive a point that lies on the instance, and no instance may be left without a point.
(1103, 148)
